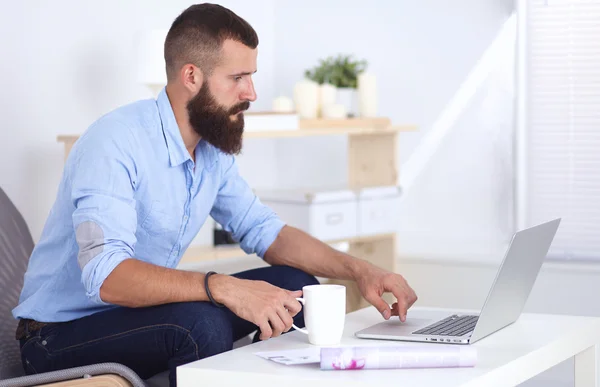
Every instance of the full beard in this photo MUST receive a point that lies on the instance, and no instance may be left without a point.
(214, 123)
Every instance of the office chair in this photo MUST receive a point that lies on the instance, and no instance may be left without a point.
(16, 245)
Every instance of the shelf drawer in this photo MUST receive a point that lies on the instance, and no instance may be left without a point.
(378, 211)
(331, 215)
(325, 215)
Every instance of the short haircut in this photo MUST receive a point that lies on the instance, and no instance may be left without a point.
(197, 35)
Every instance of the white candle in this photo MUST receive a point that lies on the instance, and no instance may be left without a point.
(283, 104)
(306, 98)
(367, 95)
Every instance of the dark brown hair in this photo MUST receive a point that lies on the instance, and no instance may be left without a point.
(197, 35)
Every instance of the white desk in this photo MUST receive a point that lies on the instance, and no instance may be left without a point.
(532, 345)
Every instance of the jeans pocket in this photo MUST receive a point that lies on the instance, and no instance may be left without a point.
(47, 336)
(28, 367)
(31, 356)
(25, 343)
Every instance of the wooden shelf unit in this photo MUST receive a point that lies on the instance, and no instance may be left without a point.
(197, 253)
(372, 161)
(308, 128)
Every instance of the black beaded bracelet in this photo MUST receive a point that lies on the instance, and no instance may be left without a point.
(210, 297)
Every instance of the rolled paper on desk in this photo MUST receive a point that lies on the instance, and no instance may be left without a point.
(395, 357)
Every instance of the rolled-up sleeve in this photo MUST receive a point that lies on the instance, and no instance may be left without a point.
(240, 212)
(102, 182)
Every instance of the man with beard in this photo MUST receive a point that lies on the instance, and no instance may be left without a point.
(101, 285)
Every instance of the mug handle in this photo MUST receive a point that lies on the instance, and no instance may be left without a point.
(295, 327)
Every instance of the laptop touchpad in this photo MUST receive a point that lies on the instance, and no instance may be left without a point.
(394, 326)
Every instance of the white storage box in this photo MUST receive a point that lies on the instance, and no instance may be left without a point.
(260, 122)
(378, 210)
(325, 214)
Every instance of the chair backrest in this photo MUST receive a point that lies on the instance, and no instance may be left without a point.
(16, 246)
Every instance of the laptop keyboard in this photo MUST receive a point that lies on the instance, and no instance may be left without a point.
(450, 326)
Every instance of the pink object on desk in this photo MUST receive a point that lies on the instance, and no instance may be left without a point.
(430, 356)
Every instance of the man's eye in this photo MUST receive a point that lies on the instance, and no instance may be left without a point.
(237, 79)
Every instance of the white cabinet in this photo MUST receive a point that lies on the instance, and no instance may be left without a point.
(339, 213)
(326, 215)
(378, 210)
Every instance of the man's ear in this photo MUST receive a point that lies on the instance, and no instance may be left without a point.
(191, 78)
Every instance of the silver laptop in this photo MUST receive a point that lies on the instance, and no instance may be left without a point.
(504, 303)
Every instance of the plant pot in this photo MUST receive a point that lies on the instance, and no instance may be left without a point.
(327, 93)
(348, 97)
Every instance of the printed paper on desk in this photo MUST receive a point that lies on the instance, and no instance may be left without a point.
(309, 355)
(378, 357)
(394, 357)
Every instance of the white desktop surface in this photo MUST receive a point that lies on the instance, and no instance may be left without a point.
(533, 344)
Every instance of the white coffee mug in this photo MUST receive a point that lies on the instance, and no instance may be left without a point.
(324, 313)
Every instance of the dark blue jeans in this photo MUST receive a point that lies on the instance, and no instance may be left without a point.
(154, 339)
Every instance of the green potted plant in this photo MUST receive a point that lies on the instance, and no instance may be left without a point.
(341, 72)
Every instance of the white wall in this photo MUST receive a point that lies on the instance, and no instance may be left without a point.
(421, 52)
(66, 62)
(70, 62)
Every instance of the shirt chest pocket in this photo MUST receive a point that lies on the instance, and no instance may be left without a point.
(162, 220)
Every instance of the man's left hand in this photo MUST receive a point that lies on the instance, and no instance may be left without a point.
(373, 282)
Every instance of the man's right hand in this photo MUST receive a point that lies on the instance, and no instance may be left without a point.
(269, 307)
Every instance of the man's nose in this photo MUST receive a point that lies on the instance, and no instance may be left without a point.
(250, 92)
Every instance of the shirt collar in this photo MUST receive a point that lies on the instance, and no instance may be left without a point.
(178, 153)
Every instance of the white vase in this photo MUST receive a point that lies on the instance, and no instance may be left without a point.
(306, 98)
(334, 110)
(327, 93)
(348, 97)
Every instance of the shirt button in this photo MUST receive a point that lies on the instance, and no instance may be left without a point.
(185, 218)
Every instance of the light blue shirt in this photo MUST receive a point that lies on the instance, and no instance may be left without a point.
(131, 189)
